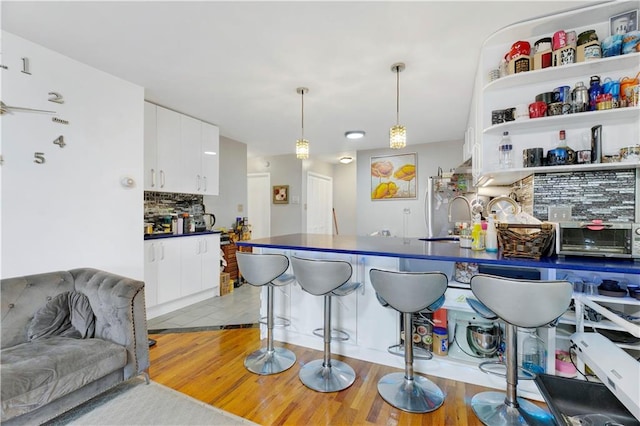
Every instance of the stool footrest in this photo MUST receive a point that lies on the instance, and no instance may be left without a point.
(498, 368)
(418, 353)
(277, 321)
(337, 335)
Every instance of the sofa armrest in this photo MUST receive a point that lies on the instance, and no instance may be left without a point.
(119, 307)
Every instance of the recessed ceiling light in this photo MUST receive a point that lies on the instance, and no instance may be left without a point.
(354, 134)
(346, 160)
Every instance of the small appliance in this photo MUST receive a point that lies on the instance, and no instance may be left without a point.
(598, 238)
(471, 337)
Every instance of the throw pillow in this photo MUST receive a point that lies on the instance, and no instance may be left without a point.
(69, 314)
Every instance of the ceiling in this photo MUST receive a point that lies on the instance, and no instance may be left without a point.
(237, 64)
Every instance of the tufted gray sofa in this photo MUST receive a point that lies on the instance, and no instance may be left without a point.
(43, 378)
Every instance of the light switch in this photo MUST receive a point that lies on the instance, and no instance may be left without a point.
(240, 208)
(295, 199)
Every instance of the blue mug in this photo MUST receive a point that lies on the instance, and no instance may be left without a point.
(562, 94)
(560, 156)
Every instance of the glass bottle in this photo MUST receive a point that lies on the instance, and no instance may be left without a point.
(505, 151)
(534, 353)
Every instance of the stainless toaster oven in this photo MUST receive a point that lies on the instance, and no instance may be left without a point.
(597, 238)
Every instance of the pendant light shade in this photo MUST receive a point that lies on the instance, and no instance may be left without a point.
(302, 145)
(397, 133)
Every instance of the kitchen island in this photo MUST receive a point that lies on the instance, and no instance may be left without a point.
(373, 328)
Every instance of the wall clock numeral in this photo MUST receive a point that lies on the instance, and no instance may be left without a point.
(56, 97)
(25, 66)
(59, 141)
(38, 157)
(59, 120)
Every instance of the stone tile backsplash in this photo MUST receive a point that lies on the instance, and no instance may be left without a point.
(603, 194)
(166, 203)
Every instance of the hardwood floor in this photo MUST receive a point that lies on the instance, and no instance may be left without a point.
(208, 365)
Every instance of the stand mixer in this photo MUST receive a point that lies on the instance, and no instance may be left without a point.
(472, 337)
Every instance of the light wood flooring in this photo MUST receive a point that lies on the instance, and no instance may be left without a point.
(208, 365)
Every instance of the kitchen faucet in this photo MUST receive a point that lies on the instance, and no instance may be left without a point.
(460, 197)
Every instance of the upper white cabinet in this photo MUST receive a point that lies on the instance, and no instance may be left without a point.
(180, 153)
(619, 126)
(210, 159)
(190, 141)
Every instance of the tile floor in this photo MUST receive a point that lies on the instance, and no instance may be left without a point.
(240, 308)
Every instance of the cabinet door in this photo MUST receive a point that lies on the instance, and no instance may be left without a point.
(168, 255)
(190, 142)
(211, 263)
(210, 159)
(150, 149)
(191, 264)
(168, 150)
(150, 274)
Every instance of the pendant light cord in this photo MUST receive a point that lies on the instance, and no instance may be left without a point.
(302, 114)
(397, 95)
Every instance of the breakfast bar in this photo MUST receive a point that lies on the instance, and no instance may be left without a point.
(372, 328)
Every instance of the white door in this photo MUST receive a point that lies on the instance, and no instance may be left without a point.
(319, 204)
(259, 204)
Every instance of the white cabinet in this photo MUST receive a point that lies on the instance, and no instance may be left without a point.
(177, 268)
(169, 178)
(210, 159)
(167, 253)
(150, 274)
(180, 153)
(200, 264)
(190, 143)
(619, 126)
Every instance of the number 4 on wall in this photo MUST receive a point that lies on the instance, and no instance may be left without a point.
(59, 141)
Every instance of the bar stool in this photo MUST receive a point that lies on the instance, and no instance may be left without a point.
(326, 278)
(519, 303)
(259, 270)
(410, 292)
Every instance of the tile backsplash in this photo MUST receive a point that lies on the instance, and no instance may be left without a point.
(166, 203)
(609, 195)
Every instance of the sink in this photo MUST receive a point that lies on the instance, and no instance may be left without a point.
(573, 397)
(441, 239)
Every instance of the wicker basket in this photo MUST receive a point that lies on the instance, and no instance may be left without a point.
(519, 244)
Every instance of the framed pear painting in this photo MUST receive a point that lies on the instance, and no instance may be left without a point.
(393, 177)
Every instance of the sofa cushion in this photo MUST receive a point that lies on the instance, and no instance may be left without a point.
(37, 372)
(69, 314)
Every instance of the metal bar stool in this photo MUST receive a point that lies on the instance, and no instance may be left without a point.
(259, 270)
(326, 278)
(519, 303)
(409, 292)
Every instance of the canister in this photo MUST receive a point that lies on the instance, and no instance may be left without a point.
(440, 341)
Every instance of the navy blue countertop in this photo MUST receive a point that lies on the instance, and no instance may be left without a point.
(191, 234)
(415, 248)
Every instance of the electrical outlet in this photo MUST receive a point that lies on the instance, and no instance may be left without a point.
(559, 213)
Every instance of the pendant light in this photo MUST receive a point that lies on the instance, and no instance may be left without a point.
(397, 133)
(302, 145)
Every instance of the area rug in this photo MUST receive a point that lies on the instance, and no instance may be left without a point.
(136, 403)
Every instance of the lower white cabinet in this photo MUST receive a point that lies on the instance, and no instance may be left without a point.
(176, 269)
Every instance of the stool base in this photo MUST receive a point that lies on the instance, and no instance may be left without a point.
(337, 377)
(265, 362)
(419, 395)
(492, 410)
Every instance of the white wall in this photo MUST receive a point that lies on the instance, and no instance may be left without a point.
(284, 170)
(71, 211)
(233, 184)
(388, 214)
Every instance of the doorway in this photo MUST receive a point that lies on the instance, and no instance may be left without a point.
(259, 204)
(319, 204)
